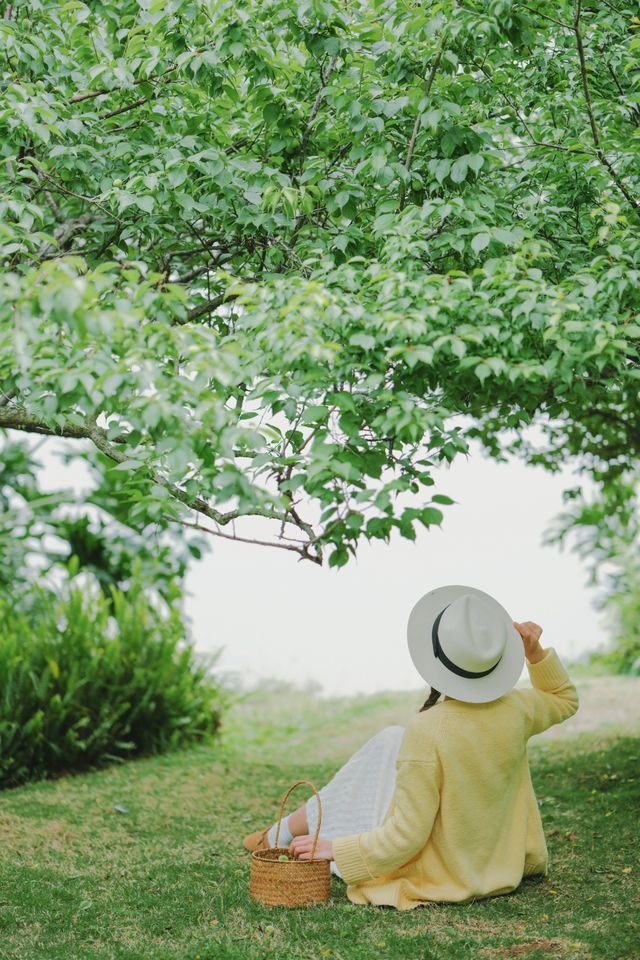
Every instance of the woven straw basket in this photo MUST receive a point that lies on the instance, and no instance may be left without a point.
(290, 883)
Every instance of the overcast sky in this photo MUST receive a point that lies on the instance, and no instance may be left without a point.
(345, 629)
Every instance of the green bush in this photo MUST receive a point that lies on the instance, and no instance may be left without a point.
(85, 680)
(622, 657)
(622, 653)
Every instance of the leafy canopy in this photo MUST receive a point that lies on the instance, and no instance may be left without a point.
(276, 256)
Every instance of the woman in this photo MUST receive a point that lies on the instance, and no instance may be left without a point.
(444, 809)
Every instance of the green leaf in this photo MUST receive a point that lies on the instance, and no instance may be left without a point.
(145, 203)
(355, 521)
(507, 237)
(482, 371)
(459, 169)
(338, 557)
(315, 413)
(431, 516)
(458, 347)
(480, 241)
(431, 118)
(364, 340)
(378, 528)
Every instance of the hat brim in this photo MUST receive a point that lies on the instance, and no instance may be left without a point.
(472, 690)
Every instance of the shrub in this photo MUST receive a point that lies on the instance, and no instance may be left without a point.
(623, 653)
(85, 680)
(622, 657)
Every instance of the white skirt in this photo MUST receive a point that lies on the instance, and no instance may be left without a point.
(357, 798)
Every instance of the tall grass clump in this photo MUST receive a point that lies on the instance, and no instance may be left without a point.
(87, 679)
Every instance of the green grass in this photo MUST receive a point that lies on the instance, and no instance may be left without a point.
(169, 878)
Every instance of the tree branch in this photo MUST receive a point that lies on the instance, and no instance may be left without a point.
(535, 142)
(62, 235)
(315, 108)
(545, 16)
(417, 124)
(303, 550)
(595, 136)
(70, 193)
(17, 418)
(192, 274)
(103, 91)
(125, 109)
(209, 307)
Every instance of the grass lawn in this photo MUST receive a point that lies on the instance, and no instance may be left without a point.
(145, 860)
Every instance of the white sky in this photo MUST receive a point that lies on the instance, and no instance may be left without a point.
(345, 628)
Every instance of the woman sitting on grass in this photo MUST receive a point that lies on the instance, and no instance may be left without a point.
(444, 809)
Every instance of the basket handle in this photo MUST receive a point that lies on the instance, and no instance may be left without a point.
(282, 805)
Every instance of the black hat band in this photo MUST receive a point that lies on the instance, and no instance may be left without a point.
(439, 653)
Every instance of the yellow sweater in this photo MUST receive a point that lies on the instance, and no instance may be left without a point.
(464, 821)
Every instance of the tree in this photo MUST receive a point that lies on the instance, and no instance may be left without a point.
(269, 255)
(605, 532)
(47, 538)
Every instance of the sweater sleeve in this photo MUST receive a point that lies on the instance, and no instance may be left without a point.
(554, 697)
(406, 830)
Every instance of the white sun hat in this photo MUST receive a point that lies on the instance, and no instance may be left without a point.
(464, 643)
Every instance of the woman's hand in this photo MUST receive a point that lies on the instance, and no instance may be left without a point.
(531, 633)
(302, 846)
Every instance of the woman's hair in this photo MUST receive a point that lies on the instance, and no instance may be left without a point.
(432, 699)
